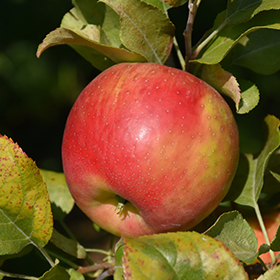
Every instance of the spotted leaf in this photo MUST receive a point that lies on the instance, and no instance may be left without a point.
(25, 213)
(181, 255)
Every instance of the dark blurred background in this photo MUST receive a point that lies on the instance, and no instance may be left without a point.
(37, 94)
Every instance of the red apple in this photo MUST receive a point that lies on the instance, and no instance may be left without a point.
(158, 137)
(271, 222)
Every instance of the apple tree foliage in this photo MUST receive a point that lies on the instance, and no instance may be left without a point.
(245, 35)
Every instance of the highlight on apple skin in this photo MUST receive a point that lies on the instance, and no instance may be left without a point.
(159, 138)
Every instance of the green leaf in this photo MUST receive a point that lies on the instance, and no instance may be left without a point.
(237, 235)
(223, 81)
(259, 51)
(264, 248)
(239, 10)
(90, 11)
(89, 48)
(250, 97)
(110, 28)
(271, 274)
(163, 6)
(25, 211)
(275, 243)
(26, 250)
(75, 275)
(59, 193)
(246, 189)
(118, 275)
(151, 35)
(230, 35)
(68, 245)
(56, 272)
(181, 255)
(276, 176)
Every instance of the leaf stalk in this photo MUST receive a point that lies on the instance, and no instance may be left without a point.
(262, 225)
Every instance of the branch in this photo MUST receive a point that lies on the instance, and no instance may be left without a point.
(193, 6)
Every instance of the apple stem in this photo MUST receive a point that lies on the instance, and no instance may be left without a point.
(262, 225)
(193, 6)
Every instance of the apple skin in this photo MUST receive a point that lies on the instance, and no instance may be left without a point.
(156, 136)
(271, 222)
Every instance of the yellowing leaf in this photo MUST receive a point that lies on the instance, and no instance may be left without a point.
(25, 212)
(222, 81)
(181, 255)
(245, 95)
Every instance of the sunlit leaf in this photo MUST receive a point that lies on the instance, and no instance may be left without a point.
(223, 81)
(75, 275)
(59, 194)
(181, 255)
(239, 10)
(259, 51)
(93, 48)
(25, 211)
(250, 97)
(246, 190)
(237, 235)
(163, 6)
(151, 37)
(271, 274)
(245, 96)
(230, 35)
(68, 245)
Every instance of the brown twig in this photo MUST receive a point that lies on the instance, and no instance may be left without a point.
(91, 268)
(193, 6)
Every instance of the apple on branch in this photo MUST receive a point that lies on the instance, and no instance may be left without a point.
(149, 148)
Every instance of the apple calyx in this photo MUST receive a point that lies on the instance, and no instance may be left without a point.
(121, 205)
